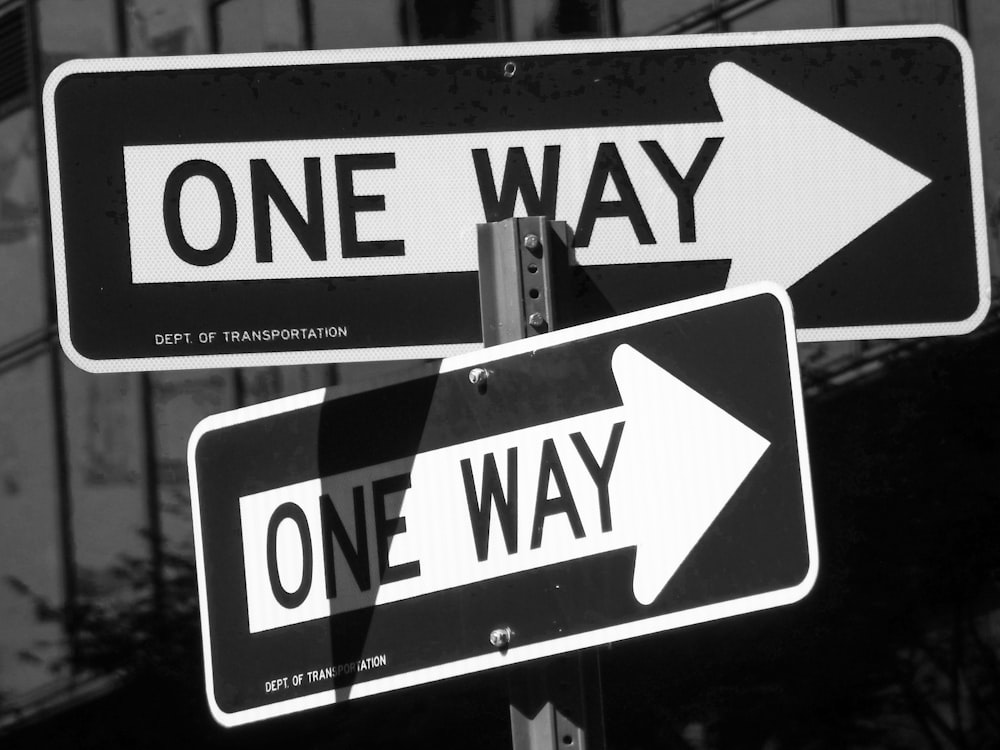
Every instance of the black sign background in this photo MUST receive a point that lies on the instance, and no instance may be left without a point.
(904, 96)
(735, 354)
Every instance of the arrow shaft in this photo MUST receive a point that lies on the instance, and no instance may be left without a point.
(445, 518)
(775, 187)
(360, 206)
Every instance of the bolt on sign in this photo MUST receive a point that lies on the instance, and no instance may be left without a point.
(620, 478)
(321, 206)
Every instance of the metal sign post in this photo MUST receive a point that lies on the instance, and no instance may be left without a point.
(556, 703)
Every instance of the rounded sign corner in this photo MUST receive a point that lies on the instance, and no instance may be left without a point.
(206, 425)
(780, 295)
(59, 74)
(222, 717)
(970, 324)
(947, 33)
(85, 363)
(196, 434)
(803, 588)
(773, 289)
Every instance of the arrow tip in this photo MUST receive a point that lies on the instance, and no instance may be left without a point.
(681, 460)
(802, 186)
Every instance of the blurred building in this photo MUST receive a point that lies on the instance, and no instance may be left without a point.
(94, 507)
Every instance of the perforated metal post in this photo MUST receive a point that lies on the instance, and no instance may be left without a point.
(519, 261)
(556, 702)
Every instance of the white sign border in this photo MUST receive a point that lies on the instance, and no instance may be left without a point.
(515, 654)
(499, 51)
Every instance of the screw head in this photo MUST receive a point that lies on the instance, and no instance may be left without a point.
(500, 637)
(478, 375)
(531, 242)
(535, 320)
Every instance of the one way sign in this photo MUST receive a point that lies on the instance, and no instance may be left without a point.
(598, 483)
(269, 209)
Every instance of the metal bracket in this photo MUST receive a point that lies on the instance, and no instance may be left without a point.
(520, 263)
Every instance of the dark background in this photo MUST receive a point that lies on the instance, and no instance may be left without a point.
(898, 645)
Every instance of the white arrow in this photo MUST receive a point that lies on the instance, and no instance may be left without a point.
(794, 188)
(785, 190)
(679, 461)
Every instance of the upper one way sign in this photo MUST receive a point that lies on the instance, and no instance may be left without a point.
(322, 206)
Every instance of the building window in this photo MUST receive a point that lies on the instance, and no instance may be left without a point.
(30, 555)
(167, 27)
(563, 19)
(75, 28)
(784, 14)
(13, 58)
(21, 255)
(339, 24)
(442, 21)
(258, 26)
(878, 12)
(641, 17)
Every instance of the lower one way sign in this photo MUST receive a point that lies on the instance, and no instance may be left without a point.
(620, 478)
